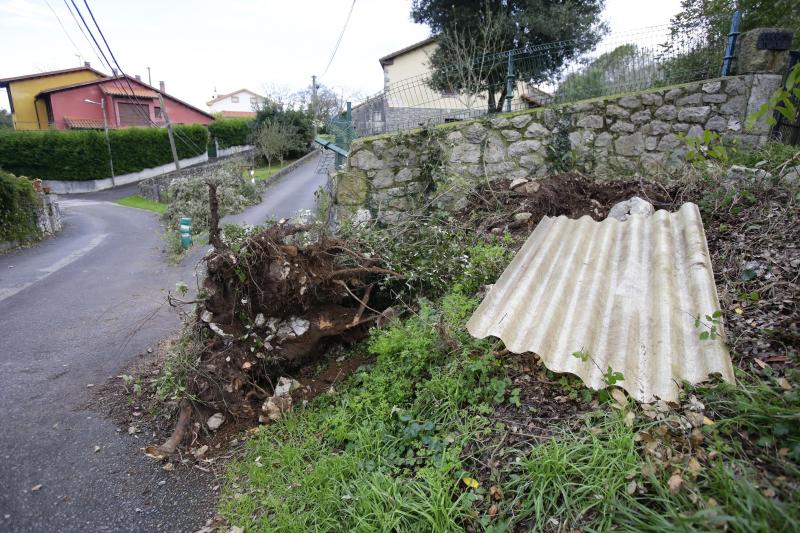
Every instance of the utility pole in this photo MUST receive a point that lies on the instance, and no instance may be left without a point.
(169, 132)
(314, 102)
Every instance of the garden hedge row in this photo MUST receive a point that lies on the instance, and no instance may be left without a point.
(231, 131)
(17, 209)
(83, 155)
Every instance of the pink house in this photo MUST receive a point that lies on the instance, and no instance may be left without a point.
(128, 102)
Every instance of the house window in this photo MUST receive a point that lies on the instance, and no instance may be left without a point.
(157, 112)
(235, 99)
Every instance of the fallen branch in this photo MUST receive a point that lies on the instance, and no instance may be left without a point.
(171, 444)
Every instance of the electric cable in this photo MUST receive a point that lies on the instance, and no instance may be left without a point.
(339, 41)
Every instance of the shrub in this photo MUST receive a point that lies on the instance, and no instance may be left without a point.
(83, 155)
(231, 131)
(17, 209)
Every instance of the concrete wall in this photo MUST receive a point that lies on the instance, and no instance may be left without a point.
(77, 187)
(608, 137)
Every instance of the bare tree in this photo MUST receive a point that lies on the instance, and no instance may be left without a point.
(274, 140)
(473, 61)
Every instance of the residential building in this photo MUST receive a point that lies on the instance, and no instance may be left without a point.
(71, 98)
(242, 104)
(27, 113)
(128, 102)
(408, 101)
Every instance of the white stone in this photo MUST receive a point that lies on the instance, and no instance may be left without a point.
(522, 217)
(286, 386)
(537, 131)
(215, 421)
(260, 320)
(633, 206)
(206, 316)
(712, 87)
(517, 182)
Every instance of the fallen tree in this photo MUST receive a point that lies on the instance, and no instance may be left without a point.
(269, 305)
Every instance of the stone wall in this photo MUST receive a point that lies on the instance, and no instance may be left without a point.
(607, 137)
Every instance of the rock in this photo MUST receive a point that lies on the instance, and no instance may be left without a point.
(714, 98)
(590, 121)
(792, 175)
(517, 182)
(617, 111)
(530, 188)
(511, 135)
(285, 386)
(717, 123)
(752, 58)
(207, 316)
(735, 106)
(362, 215)
(633, 206)
(260, 320)
(689, 100)
(740, 173)
(603, 140)
(629, 145)
(652, 99)
(495, 151)
(622, 127)
(497, 231)
(218, 330)
(640, 117)
(712, 87)
(465, 153)
(669, 142)
(672, 94)
(694, 114)
(667, 112)
(630, 102)
(522, 217)
(475, 133)
(523, 147)
(366, 160)
(520, 121)
(274, 407)
(215, 421)
(537, 131)
(658, 127)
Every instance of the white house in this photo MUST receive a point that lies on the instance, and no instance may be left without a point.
(241, 103)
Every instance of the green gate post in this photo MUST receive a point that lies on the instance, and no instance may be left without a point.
(509, 82)
(186, 232)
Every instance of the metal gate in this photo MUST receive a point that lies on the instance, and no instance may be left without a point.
(785, 130)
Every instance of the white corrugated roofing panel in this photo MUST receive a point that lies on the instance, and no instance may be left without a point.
(625, 293)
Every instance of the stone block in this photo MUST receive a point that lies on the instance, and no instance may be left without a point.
(630, 102)
(695, 131)
(616, 111)
(734, 107)
(455, 137)
(351, 188)
(717, 123)
(403, 175)
(499, 122)
(531, 161)
(734, 86)
(465, 153)
(716, 98)
(760, 91)
(712, 87)
(511, 135)
(520, 121)
(652, 99)
(673, 94)
(537, 131)
(752, 60)
(640, 117)
(582, 107)
(521, 148)
(365, 160)
(694, 115)
(667, 112)
(590, 121)
(669, 142)
(689, 99)
(734, 124)
(651, 143)
(658, 127)
(622, 127)
(382, 179)
(475, 133)
(495, 150)
(603, 140)
(680, 127)
(629, 145)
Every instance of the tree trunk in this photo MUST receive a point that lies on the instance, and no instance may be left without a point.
(502, 100)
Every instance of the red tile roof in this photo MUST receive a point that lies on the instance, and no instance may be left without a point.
(139, 92)
(237, 114)
(84, 123)
(5, 81)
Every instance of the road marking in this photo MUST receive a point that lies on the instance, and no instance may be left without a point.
(55, 267)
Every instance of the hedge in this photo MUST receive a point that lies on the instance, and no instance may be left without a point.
(83, 155)
(17, 209)
(231, 131)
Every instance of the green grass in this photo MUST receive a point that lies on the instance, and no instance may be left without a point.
(139, 202)
(265, 173)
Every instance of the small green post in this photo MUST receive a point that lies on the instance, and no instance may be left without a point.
(186, 232)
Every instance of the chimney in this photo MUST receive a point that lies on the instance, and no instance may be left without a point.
(161, 86)
(138, 78)
(87, 64)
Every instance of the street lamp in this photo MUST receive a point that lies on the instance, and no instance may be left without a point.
(102, 104)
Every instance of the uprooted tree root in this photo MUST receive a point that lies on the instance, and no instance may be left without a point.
(268, 308)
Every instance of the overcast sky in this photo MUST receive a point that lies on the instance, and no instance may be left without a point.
(197, 46)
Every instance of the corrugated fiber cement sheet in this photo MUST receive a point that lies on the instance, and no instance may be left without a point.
(624, 293)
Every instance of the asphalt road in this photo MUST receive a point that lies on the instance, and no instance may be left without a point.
(74, 310)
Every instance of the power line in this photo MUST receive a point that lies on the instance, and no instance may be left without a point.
(75, 46)
(339, 41)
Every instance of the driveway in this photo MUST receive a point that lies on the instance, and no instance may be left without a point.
(74, 310)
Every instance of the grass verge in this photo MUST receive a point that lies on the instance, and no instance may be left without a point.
(265, 173)
(140, 202)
